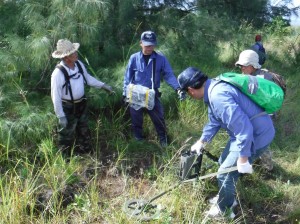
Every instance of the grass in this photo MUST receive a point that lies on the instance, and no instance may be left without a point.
(51, 189)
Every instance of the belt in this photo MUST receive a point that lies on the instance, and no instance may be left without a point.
(74, 101)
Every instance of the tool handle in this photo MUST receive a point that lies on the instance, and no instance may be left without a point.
(163, 193)
(211, 156)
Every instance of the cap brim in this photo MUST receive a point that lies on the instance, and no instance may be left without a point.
(147, 43)
(241, 63)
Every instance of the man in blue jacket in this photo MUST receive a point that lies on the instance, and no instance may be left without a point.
(259, 49)
(249, 135)
(147, 67)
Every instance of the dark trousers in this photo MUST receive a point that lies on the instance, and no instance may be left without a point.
(157, 117)
(77, 128)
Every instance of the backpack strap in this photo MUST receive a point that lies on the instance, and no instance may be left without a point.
(258, 115)
(218, 80)
(67, 77)
(81, 71)
(67, 80)
(260, 47)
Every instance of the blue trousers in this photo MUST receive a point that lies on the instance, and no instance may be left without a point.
(157, 117)
(227, 182)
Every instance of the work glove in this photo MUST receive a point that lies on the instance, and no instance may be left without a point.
(244, 167)
(181, 94)
(198, 147)
(63, 122)
(107, 88)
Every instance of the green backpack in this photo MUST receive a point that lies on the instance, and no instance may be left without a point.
(263, 92)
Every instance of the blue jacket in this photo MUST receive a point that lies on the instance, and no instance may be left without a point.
(137, 72)
(258, 46)
(232, 110)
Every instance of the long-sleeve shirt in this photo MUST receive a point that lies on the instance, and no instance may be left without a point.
(58, 87)
(138, 72)
(230, 109)
(263, 73)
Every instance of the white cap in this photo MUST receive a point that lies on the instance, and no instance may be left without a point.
(248, 57)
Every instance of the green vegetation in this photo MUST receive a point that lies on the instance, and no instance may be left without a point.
(39, 184)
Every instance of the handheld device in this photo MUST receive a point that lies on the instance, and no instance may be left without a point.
(190, 165)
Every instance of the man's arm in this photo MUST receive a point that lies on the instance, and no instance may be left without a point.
(168, 73)
(91, 81)
(211, 128)
(129, 74)
(57, 80)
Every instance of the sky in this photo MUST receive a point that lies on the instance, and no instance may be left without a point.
(295, 21)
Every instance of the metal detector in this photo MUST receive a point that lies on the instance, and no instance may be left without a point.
(190, 166)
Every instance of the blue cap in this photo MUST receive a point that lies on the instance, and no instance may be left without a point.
(191, 76)
(148, 38)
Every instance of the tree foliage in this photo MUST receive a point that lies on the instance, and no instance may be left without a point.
(256, 12)
(45, 22)
(108, 30)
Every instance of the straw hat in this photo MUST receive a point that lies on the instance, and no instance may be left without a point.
(64, 48)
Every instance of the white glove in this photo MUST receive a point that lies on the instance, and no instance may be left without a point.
(107, 88)
(63, 122)
(198, 147)
(244, 167)
(181, 94)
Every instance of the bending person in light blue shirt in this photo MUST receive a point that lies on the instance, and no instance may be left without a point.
(249, 135)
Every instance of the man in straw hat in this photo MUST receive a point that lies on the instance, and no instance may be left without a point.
(68, 97)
